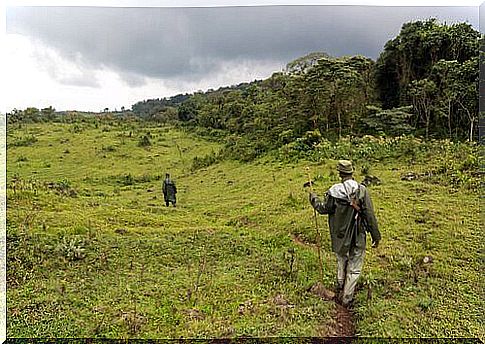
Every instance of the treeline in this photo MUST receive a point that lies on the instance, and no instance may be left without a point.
(49, 114)
(32, 115)
(424, 83)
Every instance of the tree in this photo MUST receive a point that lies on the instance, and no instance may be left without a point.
(338, 89)
(412, 54)
(394, 121)
(302, 64)
(423, 93)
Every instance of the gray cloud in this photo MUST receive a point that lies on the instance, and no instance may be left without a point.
(482, 18)
(190, 44)
(81, 75)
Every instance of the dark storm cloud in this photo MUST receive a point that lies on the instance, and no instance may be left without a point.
(191, 43)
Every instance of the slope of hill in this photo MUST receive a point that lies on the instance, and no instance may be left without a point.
(93, 251)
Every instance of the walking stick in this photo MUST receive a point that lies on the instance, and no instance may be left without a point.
(316, 229)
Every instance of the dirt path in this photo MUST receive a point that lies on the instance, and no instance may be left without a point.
(342, 322)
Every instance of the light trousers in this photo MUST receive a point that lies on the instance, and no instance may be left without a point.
(349, 267)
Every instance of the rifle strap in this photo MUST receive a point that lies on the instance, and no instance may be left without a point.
(352, 200)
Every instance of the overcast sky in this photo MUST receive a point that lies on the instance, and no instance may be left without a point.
(89, 58)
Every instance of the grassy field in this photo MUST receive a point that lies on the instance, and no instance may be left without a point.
(94, 252)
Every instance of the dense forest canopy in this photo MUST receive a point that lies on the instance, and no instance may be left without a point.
(424, 83)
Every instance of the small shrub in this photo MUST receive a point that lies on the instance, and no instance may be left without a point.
(144, 141)
(72, 249)
(425, 304)
(127, 179)
(76, 128)
(205, 161)
(62, 187)
(23, 141)
(109, 148)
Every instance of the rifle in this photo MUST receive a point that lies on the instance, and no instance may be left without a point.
(360, 216)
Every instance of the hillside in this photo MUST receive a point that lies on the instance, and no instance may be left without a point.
(93, 252)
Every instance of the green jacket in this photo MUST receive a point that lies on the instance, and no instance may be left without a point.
(347, 231)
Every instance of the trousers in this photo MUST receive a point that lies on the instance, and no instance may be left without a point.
(349, 267)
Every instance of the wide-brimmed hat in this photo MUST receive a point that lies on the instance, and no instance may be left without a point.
(345, 166)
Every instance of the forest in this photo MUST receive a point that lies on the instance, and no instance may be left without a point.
(424, 83)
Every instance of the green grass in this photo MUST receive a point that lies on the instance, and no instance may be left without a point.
(98, 254)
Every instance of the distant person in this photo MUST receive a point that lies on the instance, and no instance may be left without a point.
(350, 215)
(169, 191)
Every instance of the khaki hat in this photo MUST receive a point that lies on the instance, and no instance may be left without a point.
(345, 166)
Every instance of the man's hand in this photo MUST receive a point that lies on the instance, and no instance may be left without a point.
(375, 243)
(308, 184)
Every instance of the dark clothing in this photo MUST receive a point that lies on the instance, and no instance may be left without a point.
(169, 191)
(347, 230)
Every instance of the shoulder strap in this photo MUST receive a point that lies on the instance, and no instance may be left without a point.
(353, 201)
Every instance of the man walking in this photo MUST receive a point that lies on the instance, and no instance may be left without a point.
(169, 191)
(350, 215)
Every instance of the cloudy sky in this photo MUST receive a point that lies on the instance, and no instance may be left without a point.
(89, 58)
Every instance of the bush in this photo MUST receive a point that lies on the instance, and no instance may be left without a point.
(127, 179)
(109, 148)
(71, 249)
(144, 141)
(245, 149)
(451, 163)
(205, 161)
(23, 141)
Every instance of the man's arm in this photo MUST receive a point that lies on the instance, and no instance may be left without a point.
(368, 213)
(326, 206)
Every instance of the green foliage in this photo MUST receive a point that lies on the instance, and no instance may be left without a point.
(22, 159)
(205, 161)
(428, 65)
(393, 122)
(24, 141)
(245, 148)
(71, 248)
(109, 148)
(25, 255)
(159, 110)
(451, 163)
(302, 64)
(62, 187)
(144, 141)
(127, 179)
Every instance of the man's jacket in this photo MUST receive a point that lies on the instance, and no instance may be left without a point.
(169, 190)
(347, 226)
